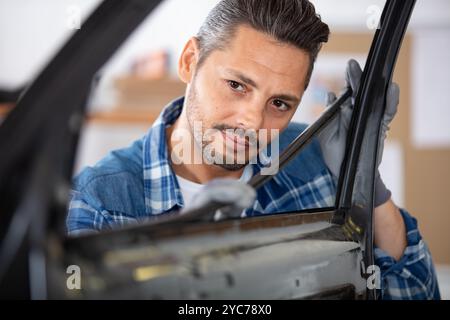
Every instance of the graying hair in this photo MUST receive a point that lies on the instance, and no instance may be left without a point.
(288, 21)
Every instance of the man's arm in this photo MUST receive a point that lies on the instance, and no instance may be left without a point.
(390, 230)
(412, 275)
(82, 218)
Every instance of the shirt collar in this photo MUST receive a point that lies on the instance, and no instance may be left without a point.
(158, 173)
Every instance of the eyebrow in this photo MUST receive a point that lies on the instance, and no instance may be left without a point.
(243, 78)
(252, 83)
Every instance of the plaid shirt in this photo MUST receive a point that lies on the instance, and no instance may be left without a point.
(131, 185)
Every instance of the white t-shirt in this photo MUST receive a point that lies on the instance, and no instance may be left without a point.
(189, 188)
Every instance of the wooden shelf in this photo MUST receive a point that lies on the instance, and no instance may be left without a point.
(119, 116)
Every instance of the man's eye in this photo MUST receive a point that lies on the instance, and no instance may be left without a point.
(236, 86)
(280, 105)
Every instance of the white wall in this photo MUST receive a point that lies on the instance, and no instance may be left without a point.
(31, 31)
(352, 14)
(431, 88)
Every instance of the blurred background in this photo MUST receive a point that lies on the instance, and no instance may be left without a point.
(133, 87)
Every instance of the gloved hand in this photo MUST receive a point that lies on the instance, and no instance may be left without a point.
(333, 138)
(227, 191)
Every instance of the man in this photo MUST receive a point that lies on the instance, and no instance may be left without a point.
(246, 71)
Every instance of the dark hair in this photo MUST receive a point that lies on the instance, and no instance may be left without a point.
(290, 21)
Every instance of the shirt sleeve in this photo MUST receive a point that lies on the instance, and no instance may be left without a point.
(82, 218)
(413, 276)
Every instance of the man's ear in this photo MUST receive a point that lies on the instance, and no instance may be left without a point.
(188, 60)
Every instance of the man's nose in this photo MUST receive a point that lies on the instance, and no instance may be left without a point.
(251, 115)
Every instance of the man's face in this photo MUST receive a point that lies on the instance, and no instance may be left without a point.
(255, 83)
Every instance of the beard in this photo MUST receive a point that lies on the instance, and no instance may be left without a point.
(213, 157)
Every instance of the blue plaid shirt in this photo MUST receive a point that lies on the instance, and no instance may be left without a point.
(131, 185)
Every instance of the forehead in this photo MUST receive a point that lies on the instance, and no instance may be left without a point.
(263, 57)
